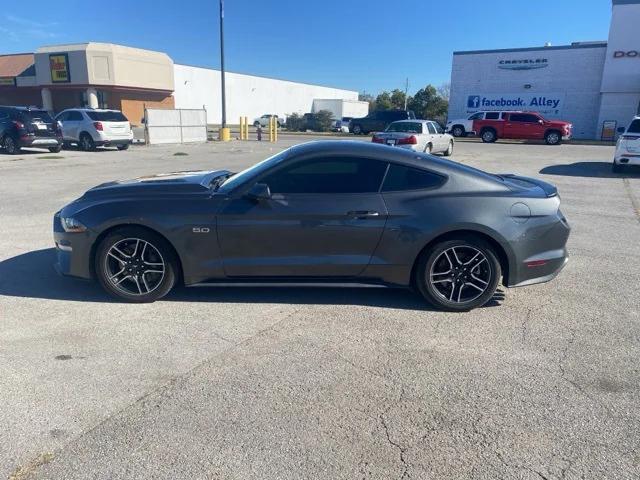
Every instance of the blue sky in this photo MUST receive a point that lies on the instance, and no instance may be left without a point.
(370, 45)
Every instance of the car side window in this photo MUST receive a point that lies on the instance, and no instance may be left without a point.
(328, 175)
(62, 117)
(476, 116)
(438, 128)
(492, 116)
(431, 128)
(74, 116)
(523, 118)
(401, 178)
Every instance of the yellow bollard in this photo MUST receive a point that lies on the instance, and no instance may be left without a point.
(246, 128)
(241, 128)
(275, 129)
(224, 134)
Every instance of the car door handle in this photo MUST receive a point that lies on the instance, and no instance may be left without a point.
(361, 214)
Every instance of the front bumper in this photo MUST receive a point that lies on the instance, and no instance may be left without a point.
(73, 251)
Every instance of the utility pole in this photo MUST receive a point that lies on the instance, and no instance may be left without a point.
(224, 131)
(406, 91)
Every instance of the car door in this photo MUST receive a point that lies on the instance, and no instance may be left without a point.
(324, 218)
(522, 125)
(72, 126)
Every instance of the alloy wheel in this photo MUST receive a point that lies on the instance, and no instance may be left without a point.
(460, 274)
(134, 266)
(9, 145)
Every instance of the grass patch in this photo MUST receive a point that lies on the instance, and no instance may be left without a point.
(50, 157)
(180, 154)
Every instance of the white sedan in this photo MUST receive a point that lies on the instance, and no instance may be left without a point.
(419, 135)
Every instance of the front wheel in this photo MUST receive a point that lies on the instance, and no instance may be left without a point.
(135, 265)
(552, 138)
(458, 131)
(357, 129)
(123, 147)
(458, 274)
(10, 146)
(449, 150)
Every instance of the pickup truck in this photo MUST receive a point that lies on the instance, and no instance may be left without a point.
(523, 125)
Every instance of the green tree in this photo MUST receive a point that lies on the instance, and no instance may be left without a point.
(294, 122)
(397, 99)
(428, 104)
(324, 119)
(383, 101)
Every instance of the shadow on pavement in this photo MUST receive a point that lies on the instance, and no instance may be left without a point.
(589, 169)
(31, 275)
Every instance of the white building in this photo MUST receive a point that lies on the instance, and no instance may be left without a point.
(595, 85)
(247, 95)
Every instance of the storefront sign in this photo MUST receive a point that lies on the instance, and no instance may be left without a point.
(627, 54)
(523, 64)
(548, 103)
(59, 64)
(609, 130)
(8, 81)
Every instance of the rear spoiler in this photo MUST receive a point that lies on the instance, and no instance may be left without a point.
(548, 189)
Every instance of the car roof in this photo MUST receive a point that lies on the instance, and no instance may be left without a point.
(22, 108)
(90, 110)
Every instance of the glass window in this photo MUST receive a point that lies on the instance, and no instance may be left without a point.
(634, 127)
(476, 116)
(111, 116)
(523, 118)
(74, 116)
(492, 116)
(328, 175)
(35, 116)
(401, 177)
(439, 129)
(409, 127)
(431, 128)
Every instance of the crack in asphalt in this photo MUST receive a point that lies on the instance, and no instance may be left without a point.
(402, 450)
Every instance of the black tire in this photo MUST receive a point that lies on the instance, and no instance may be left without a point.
(434, 258)
(10, 145)
(86, 143)
(489, 135)
(256, 124)
(55, 149)
(449, 151)
(553, 137)
(357, 129)
(617, 168)
(428, 148)
(149, 286)
(123, 147)
(458, 131)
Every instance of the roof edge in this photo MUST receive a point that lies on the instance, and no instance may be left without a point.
(533, 49)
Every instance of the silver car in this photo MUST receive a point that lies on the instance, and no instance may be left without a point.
(419, 135)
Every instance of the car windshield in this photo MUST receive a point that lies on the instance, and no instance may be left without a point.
(37, 116)
(235, 180)
(634, 127)
(107, 116)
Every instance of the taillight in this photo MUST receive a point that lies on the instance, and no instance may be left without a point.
(98, 126)
(377, 139)
(18, 124)
(412, 140)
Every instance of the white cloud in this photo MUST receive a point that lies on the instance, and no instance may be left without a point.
(19, 28)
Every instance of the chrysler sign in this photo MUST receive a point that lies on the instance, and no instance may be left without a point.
(523, 64)
(549, 103)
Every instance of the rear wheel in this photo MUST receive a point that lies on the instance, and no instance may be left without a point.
(553, 138)
(458, 131)
(10, 146)
(135, 265)
(55, 149)
(458, 274)
(123, 147)
(488, 136)
(357, 129)
(428, 148)
(617, 168)
(86, 142)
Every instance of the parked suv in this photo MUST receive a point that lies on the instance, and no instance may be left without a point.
(263, 121)
(90, 128)
(378, 121)
(28, 127)
(461, 127)
(522, 125)
(628, 147)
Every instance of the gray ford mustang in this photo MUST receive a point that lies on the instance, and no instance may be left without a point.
(329, 212)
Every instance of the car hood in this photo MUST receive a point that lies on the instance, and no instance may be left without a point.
(557, 123)
(164, 183)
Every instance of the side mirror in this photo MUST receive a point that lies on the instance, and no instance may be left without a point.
(541, 122)
(260, 191)
(622, 129)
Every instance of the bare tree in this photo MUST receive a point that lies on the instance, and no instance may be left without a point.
(444, 90)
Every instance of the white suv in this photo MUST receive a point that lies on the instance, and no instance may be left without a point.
(263, 121)
(90, 128)
(461, 127)
(628, 147)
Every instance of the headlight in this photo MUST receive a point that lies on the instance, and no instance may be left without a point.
(71, 225)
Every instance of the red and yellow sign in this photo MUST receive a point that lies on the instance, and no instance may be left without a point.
(59, 65)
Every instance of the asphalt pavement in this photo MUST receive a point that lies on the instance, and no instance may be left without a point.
(293, 383)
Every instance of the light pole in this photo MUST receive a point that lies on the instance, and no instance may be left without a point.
(224, 131)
